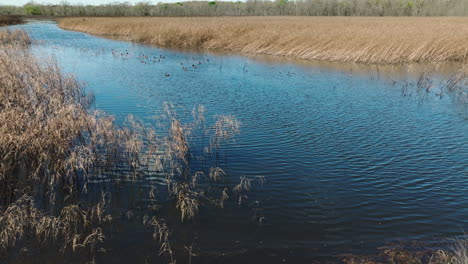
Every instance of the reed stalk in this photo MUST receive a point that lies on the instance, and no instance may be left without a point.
(378, 40)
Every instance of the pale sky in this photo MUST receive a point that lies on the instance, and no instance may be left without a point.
(85, 2)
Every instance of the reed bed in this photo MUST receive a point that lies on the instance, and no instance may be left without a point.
(52, 147)
(10, 20)
(43, 113)
(16, 38)
(47, 136)
(459, 252)
(74, 229)
(457, 85)
(338, 39)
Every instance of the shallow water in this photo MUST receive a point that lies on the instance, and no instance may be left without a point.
(350, 162)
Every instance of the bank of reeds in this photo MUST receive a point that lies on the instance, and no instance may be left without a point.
(460, 252)
(457, 85)
(43, 116)
(16, 38)
(10, 20)
(74, 229)
(52, 146)
(338, 39)
(47, 136)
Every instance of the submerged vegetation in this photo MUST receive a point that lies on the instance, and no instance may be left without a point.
(56, 152)
(337, 39)
(75, 229)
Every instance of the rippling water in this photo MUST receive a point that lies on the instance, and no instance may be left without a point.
(350, 162)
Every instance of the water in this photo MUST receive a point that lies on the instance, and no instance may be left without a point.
(350, 162)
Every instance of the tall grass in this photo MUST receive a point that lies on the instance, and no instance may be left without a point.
(338, 39)
(10, 20)
(53, 147)
(16, 38)
(47, 136)
(42, 112)
(73, 229)
(457, 85)
(460, 252)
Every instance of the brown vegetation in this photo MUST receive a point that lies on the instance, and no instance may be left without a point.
(401, 255)
(42, 114)
(52, 145)
(413, 252)
(17, 38)
(340, 39)
(10, 20)
(73, 229)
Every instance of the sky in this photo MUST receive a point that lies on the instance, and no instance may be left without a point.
(85, 2)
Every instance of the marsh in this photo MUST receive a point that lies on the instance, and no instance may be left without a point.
(301, 162)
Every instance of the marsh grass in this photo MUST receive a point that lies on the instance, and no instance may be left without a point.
(460, 252)
(456, 253)
(42, 114)
(14, 38)
(457, 85)
(10, 20)
(338, 39)
(22, 224)
(53, 146)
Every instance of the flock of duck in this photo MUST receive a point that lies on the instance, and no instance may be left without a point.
(152, 59)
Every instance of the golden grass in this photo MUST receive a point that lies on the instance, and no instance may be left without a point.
(337, 39)
(16, 38)
(50, 141)
(73, 229)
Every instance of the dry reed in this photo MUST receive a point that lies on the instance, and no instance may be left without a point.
(52, 144)
(339, 39)
(49, 136)
(74, 228)
(10, 20)
(14, 38)
(459, 252)
(457, 85)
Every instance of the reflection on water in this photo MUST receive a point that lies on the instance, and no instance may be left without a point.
(352, 160)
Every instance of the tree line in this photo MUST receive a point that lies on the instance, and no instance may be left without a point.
(251, 8)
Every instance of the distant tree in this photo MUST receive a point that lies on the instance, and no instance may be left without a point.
(213, 7)
(282, 4)
(409, 8)
(251, 8)
(344, 8)
(64, 7)
(143, 8)
(32, 9)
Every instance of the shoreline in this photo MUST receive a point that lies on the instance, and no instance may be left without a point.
(396, 255)
(10, 20)
(362, 40)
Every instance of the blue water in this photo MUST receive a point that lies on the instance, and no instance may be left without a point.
(350, 162)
